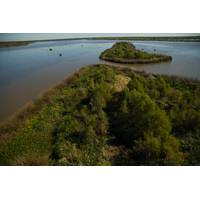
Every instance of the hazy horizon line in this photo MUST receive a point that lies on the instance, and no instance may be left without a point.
(54, 36)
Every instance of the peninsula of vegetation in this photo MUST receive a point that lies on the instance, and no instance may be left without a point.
(125, 52)
(105, 115)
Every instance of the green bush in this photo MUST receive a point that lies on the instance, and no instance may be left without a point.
(151, 120)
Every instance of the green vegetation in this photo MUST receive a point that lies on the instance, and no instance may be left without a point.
(105, 115)
(125, 52)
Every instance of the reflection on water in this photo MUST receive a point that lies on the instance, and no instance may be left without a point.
(27, 71)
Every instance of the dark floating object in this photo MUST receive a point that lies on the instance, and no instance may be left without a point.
(60, 54)
(154, 49)
(50, 49)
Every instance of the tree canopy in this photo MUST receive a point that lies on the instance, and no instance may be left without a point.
(109, 116)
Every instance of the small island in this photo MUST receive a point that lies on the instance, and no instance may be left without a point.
(125, 52)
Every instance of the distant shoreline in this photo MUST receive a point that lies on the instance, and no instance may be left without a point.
(14, 43)
(5, 44)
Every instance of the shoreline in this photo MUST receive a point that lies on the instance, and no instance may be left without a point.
(6, 44)
(43, 98)
(14, 44)
(160, 58)
(26, 111)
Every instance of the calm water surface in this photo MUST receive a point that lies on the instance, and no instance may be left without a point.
(27, 71)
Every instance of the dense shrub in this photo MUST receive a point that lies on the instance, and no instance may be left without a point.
(159, 150)
(137, 114)
(110, 116)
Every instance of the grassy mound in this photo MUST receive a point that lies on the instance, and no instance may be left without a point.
(108, 116)
(125, 52)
